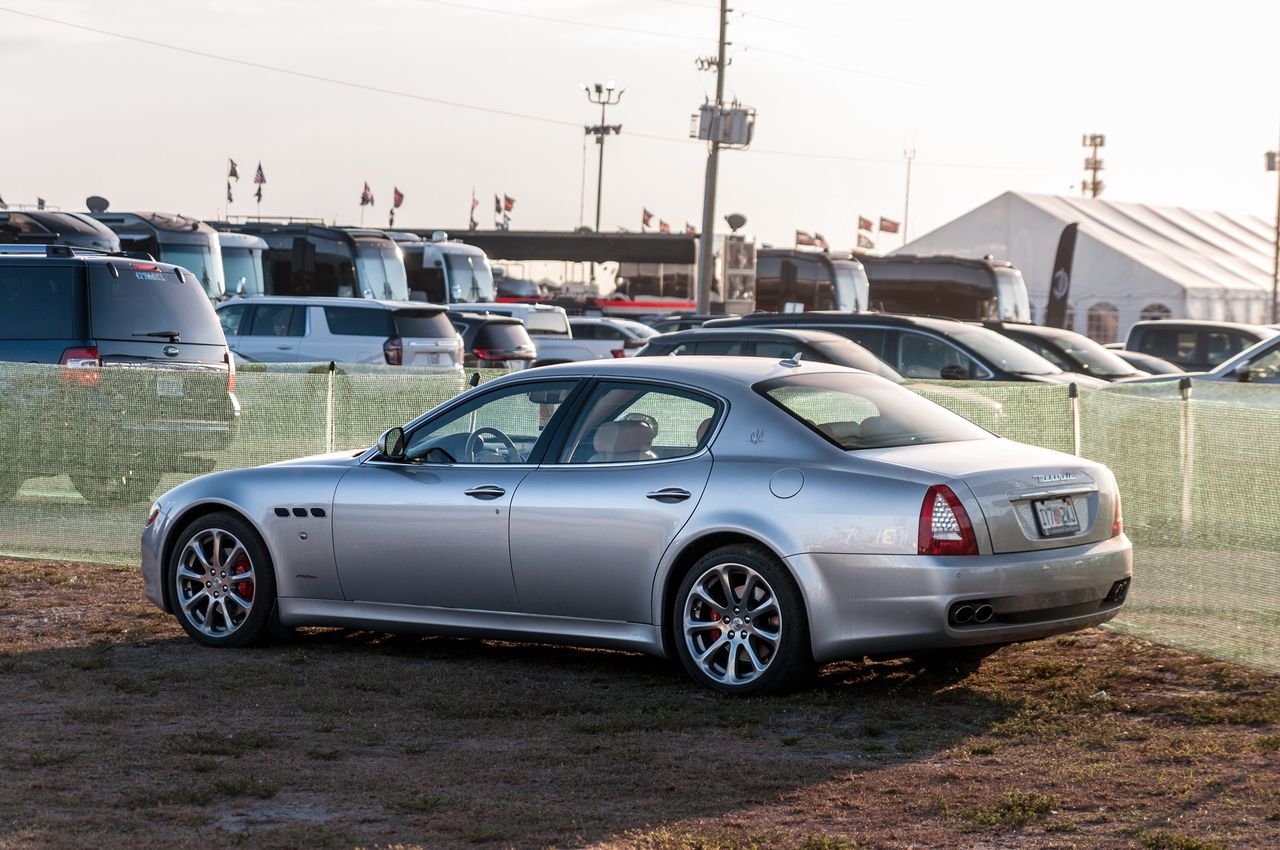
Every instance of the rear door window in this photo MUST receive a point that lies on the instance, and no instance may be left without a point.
(921, 356)
(41, 302)
(144, 300)
(231, 318)
(359, 321)
(423, 324)
(502, 336)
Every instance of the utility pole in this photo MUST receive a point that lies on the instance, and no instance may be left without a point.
(1273, 164)
(910, 154)
(606, 95)
(706, 244)
(1093, 188)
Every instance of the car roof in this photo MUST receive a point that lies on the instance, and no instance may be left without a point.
(835, 317)
(799, 334)
(1029, 329)
(725, 374)
(333, 301)
(479, 306)
(472, 316)
(1205, 323)
(56, 252)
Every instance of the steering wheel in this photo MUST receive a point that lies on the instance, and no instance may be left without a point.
(476, 441)
(636, 416)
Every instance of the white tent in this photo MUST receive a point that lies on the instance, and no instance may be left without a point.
(1132, 261)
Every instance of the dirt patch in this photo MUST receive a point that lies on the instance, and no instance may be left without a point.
(121, 732)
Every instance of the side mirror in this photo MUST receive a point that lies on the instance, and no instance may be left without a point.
(391, 443)
(954, 373)
(1243, 372)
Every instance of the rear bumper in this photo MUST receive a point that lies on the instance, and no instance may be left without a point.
(884, 604)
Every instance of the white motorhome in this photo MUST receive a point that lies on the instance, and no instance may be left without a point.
(445, 271)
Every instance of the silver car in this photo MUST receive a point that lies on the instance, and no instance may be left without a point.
(750, 516)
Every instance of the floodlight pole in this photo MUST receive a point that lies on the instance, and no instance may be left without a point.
(607, 94)
(706, 241)
(1274, 162)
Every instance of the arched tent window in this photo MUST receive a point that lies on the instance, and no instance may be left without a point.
(1103, 323)
(1156, 311)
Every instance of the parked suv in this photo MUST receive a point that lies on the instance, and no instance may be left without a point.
(282, 328)
(145, 378)
(1196, 346)
(606, 336)
(547, 325)
(926, 348)
(493, 342)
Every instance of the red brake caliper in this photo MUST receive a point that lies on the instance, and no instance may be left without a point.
(244, 588)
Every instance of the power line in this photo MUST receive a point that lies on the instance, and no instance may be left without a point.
(568, 21)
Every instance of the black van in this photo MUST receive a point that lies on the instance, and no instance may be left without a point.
(139, 375)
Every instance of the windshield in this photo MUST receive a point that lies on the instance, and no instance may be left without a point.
(852, 287)
(1011, 296)
(380, 270)
(202, 262)
(470, 278)
(243, 264)
(1002, 352)
(1092, 358)
(1253, 354)
(860, 412)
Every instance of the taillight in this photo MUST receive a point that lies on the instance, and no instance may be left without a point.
(491, 354)
(231, 371)
(145, 267)
(1117, 523)
(944, 525)
(393, 351)
(81, 366)
(618, 352)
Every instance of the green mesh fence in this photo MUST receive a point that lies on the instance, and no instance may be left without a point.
(1198, 477)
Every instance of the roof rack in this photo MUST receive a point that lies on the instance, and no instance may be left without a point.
(58, 249)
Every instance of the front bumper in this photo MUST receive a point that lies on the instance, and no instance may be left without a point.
(884, 604)
(152, 559)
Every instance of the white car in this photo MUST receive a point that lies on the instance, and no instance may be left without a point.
(291, 329)
(610, 337)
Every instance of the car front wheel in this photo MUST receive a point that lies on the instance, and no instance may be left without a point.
(222, 582)
(739, 624)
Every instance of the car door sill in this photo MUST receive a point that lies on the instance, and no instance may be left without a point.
(499, 625)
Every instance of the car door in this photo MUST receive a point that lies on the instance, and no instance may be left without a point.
(590, 525)
(432, 530)
(271, 333)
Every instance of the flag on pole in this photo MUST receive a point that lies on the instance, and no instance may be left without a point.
(864, 241)
(819, 241)
(888, 225)
(497, 205)
(397, 197)
(508, 203)
(3, 205)
(259, 177)
(233, 173)
(39, 203)
(471, 220)
(804, 238)
(690, 230)
(663, 227)
(229, 198)
(366, 197)
(474, 202)
(258, 194)
(865, 223)
(645, 217)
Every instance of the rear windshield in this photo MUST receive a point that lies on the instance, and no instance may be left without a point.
(41, 302)
(859, 412)
(501, 335)
(143, 303)
(359, 321)
(424, 324)
(547, 323)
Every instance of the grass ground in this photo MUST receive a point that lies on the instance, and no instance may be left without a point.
(121, 732)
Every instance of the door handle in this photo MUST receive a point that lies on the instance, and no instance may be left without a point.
(668, 494)
(486, 491)
(284, 347)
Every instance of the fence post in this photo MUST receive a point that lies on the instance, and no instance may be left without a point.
(1073, 393)
(1187, 448)
(328, 411)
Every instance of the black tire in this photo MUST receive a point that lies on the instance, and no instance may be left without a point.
(106, 490)
(730, 637)
(227, 624)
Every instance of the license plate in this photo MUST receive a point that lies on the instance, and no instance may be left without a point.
(1056, 517)
(433, 360)
(168, 386)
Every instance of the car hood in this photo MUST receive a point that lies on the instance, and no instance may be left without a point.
(348, 457)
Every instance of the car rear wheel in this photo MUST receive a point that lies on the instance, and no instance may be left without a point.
(127, 488)
(222, 582)
(739, 624)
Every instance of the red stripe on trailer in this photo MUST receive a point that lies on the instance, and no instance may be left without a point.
(649, 305)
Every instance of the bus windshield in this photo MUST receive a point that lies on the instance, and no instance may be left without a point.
(202, 261)
(852, 286)
(470, 278)
(242, 264)
(380, 270)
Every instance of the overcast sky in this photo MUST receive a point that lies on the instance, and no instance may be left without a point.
(992, 96)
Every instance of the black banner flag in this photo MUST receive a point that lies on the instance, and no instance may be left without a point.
(1055, 315)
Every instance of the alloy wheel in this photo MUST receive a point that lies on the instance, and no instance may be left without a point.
(215, 582)
(732, 624)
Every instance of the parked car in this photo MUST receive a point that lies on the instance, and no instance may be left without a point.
(1148, 363)
(682, 321)
(924, 348)
(1068, 350)
(145, 373)
(548, 326)
(294, 329)
(1196, 346)
(750, 517)
(1258, 364)
(607, 336)
(493, 342)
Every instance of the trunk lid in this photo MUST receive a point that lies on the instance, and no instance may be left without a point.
(1028, 496)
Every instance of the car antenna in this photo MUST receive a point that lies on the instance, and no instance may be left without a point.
(792, 361)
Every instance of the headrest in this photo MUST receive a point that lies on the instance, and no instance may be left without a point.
(623, 436)
(702, 428)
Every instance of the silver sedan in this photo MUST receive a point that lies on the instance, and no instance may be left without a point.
(749, 516)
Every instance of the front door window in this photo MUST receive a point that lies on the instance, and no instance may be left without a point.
(504, 426)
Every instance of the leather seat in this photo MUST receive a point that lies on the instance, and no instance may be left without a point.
(623, 440)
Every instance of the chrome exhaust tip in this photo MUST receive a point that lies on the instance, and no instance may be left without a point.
(962, 614)
(983, 613)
